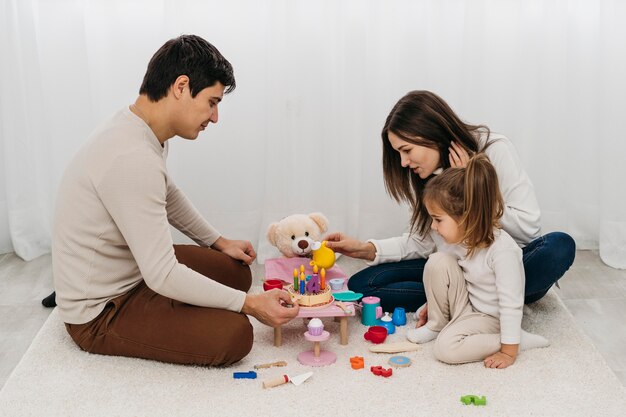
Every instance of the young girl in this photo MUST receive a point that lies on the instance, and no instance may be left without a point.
(475, 282)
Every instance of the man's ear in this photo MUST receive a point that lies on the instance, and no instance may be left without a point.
(179, 86)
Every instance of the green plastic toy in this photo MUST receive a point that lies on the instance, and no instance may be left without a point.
(475, 399)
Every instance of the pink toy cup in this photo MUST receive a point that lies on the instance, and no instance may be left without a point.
(270, 284)
(376, 334)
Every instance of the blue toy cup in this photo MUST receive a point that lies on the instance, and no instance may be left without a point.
(399, 316)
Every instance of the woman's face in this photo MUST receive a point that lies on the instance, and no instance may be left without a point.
(422, 160)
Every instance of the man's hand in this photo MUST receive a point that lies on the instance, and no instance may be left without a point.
(237, 249)
(351, 247)
(269, 307)
(422, 316)
(458, 156)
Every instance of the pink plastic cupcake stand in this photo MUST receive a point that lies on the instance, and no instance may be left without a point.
(317, 357)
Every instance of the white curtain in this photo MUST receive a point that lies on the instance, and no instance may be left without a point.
(315, 81)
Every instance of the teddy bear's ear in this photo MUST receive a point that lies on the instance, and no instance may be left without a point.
(272, 232)
(321, 221)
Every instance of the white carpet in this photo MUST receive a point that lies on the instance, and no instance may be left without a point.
(569, 378)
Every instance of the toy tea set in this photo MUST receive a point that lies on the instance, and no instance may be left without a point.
(320, 290)
(299, 236)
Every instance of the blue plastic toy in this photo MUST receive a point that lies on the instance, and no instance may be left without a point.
(244, 375)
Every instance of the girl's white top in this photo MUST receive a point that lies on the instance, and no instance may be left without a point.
(495, 282)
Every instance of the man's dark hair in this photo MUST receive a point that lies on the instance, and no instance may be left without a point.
(188, 55)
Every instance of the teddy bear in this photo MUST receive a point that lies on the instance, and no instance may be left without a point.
(296, 234)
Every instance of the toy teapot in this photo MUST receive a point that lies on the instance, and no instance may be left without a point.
(387, 323)
(323, 256)
(372, 311)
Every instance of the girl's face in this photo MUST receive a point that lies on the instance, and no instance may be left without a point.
(421, 160)
(444, 224)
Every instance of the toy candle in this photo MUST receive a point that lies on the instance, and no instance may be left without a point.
(302, 282)
(323, 278)
(315, 269)
(295, 279)
(302, 269)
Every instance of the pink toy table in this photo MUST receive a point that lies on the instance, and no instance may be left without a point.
(332, 310)
(282, 268)
(317, 357)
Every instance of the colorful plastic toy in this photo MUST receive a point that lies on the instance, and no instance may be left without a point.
(270, 284)
(387, 322)
(474, 399)
(323, 256)
(317, 357)
(380, 371)
(399, 361)
(372, 311)
(347, 296)
(244, 375)
(399, 316)
(376, 334)
(357, 362)
(313, 284)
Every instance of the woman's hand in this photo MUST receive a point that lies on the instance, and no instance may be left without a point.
(241, 250)
(351, 247)
(458, 155)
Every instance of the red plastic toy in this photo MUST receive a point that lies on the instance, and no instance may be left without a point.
(270, 284)
(380, 371)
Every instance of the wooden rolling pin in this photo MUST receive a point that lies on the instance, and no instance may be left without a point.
(269, 365)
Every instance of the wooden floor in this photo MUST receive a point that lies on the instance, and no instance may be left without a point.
(594, 293)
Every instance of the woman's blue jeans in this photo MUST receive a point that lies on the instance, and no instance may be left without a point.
(400, 284)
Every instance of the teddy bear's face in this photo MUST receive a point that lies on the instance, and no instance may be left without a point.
(294, 235)
(296, 238)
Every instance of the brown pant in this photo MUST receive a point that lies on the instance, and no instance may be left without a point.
(144, 324)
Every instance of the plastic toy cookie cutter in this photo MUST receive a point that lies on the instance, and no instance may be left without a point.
(474, 399)
(380, 371)
(357, 362)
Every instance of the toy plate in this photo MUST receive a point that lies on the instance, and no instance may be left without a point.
(347, 296)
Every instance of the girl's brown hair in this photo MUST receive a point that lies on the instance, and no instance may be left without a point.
(472, 197)
(425, 119)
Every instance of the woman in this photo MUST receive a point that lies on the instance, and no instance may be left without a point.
(422, 136)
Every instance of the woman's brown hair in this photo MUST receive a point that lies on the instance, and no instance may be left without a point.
(472, 197)
(423, 118)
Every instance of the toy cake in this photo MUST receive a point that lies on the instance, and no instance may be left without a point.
(311, 299)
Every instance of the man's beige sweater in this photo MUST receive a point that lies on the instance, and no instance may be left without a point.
(111, 227)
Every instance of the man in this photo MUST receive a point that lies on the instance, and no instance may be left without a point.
(122, 287)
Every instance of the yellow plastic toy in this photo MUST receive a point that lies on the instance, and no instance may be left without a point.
(323, 256)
